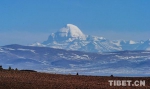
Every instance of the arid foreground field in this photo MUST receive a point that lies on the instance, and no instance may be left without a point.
(35, 80)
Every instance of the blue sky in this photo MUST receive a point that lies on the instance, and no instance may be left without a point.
(29, 21)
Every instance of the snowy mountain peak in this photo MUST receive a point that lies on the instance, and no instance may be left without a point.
(71, 37)
(68, 33)
(71, 31)
(132, 42)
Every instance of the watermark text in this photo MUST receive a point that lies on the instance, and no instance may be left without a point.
(126, 82)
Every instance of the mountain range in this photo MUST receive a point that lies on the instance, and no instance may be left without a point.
(70, 51)
(46, 59)
(71, 37)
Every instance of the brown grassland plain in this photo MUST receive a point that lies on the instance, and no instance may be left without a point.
(36, 80)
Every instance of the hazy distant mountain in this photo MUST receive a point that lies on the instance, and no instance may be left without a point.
(128, 63)
(145, 45)
(72, 38)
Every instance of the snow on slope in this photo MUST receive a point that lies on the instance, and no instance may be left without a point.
(72, 38)
(71, 31)
(145, 45)
(62, 61)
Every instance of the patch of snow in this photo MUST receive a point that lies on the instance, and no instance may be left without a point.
(145, 52)
(33, 51)
(132, 42)
(37, 44)
(130, 57)
(9, 49)
(23, 49)
(148, 48)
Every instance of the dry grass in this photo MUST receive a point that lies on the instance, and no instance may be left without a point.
(35, 80)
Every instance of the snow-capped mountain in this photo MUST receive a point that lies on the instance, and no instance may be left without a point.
(72, 38)
(145, 45)
(70, 51)
(128, 45)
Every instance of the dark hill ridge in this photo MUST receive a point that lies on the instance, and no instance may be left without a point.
(131, 63)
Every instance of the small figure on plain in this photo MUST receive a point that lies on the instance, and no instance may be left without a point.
(111, 76)
(77, 73)
(1, 68)
(16, 69)
(9, 68)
